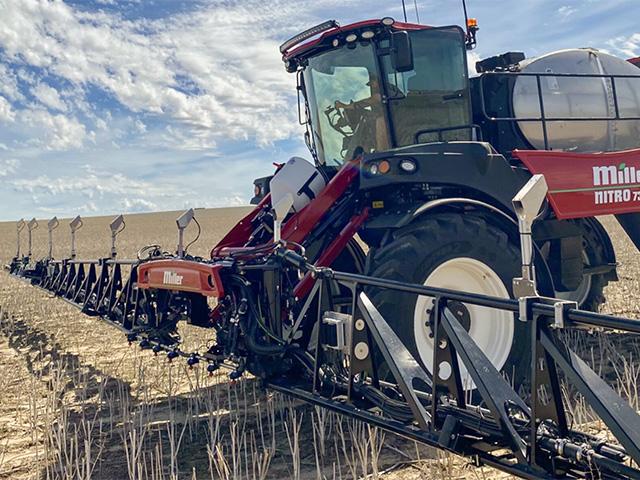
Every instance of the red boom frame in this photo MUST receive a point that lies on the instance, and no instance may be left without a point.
(205, 278)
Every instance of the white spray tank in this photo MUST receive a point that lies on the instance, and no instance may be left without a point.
(566, 97)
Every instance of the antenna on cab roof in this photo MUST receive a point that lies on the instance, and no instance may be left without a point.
(471, 25)
(404, 11)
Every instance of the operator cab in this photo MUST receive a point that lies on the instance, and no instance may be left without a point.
(377, 85)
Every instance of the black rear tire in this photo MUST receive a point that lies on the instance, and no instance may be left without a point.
(414, 252)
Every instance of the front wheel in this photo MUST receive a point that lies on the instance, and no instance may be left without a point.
(459, 252)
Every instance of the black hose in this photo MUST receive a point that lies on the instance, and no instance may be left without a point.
(396, 409)
(197, 236)
(252, 342)
(257, 347)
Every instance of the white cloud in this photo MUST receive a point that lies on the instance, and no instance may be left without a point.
(180, 70)
(628, 46)
(91, 190)
(149, 97)
(91, 183)
(55, 131)
(566, 11)
(49, 96)
(129, 205)
(8, 167)
(6, 112)
(89, 207)
(9, 84)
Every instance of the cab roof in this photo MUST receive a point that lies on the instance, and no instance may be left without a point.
(320, 36)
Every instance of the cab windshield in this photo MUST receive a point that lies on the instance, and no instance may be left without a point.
(343, 90)
(352, 111)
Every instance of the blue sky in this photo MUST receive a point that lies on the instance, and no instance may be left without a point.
(111, 106)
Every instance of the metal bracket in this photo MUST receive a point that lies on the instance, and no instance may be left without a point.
(524, 287)
(447, 381)
(51, 226)
(560, 309)
(74, 225)
(546, 395)
(183, 222)
(280, 210)
(449, 434)
(342, 325)
(527, 204)
(19, 227)
(117, 225)
(31, 226)
(525, 313)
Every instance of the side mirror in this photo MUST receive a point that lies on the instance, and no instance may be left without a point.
(401, 53)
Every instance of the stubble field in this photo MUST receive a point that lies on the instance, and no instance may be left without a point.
(77, 402)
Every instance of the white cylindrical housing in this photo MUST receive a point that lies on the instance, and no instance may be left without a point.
(299, 178)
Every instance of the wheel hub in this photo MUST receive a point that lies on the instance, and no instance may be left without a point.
(459, 311)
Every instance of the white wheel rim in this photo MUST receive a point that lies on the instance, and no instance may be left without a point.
(491, 329)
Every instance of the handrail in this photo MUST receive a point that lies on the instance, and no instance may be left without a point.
(543, 119)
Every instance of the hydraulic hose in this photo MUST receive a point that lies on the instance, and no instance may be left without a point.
(252, 316)
(257, 347)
